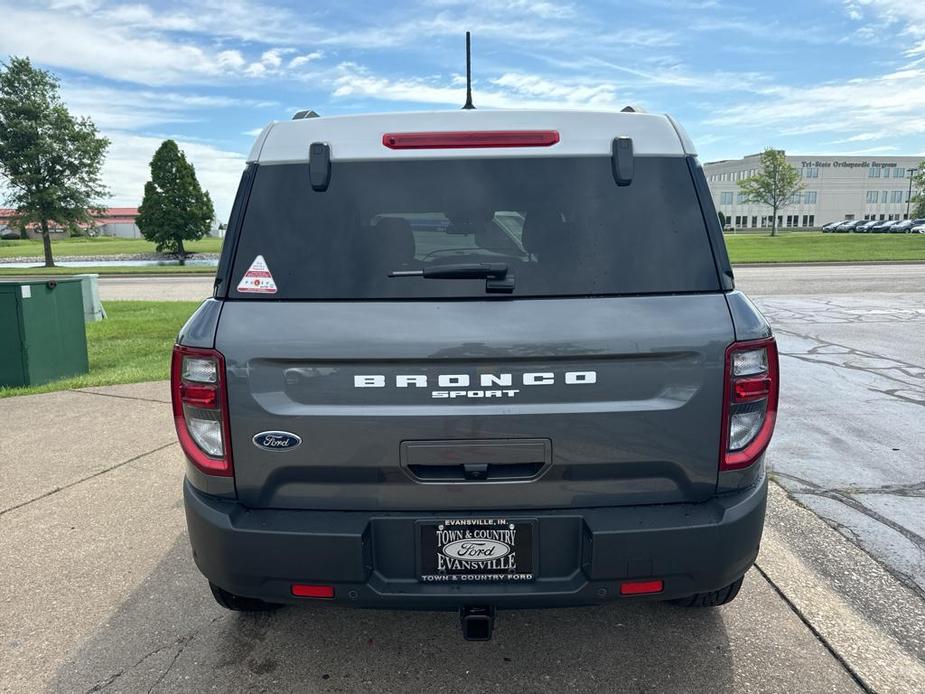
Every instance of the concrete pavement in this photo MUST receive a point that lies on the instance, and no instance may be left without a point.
(99, 593)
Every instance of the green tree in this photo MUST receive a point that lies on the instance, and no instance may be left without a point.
(49, 160)
(774, 185)
(175, 208)
(918, 193)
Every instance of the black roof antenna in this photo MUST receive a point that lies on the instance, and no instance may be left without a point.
(468, 105)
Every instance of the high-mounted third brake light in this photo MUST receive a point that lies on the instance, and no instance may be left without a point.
(749, 402)
(471, 139)
(200, 408)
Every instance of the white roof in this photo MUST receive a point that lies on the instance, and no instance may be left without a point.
(580, 133)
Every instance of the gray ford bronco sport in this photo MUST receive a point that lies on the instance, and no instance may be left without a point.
(474, 360)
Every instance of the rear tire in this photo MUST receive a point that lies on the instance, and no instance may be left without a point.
(238, 603)
(714, 598)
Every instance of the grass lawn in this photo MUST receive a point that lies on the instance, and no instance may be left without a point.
(113, 270)
(101, 245)
(787, 247)
(132, 345)
(809, 247)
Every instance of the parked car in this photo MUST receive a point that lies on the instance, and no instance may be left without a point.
(883, 226)
(379, 416)
(830, 227)
(902, 227)
(848, 225)
(918, 226)
(865, 227)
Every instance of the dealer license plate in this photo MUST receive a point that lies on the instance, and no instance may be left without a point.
(477, 549)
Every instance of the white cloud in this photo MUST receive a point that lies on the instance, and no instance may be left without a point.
(273, 58)
(91, 47)
(127, 169)
(510, 90)
(245, 20)
(301, 60)
(908, 12)
(892, 104)
(131, 109)
(125, 48)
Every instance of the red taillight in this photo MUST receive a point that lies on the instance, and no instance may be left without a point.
(750, 394)
(199, 396)
(641, 587)
(303, 590)
(478, 138)
(200, 408)
(751, 388)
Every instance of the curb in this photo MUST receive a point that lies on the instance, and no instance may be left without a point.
(828, 263)
(857, 636)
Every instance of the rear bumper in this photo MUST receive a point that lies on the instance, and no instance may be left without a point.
(370, 557)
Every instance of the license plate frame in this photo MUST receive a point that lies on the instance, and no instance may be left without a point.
(480, 550)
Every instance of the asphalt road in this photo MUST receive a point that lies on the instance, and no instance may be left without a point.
(755, 280)
(850, 442)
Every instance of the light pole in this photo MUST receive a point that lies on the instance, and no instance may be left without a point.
(909, 198)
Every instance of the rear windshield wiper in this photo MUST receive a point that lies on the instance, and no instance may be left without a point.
(496, 275)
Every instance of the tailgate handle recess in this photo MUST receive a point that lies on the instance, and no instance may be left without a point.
(476, 461)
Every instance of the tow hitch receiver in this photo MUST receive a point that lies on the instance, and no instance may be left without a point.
(477, 622)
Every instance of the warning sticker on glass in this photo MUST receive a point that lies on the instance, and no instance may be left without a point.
(257, 279)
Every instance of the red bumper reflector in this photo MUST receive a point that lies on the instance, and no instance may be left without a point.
(302, 590)
(464, 139)
(641, 587)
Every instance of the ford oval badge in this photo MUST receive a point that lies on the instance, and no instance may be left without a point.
(276, 440)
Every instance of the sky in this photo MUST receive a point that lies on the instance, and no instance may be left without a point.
(809, 76)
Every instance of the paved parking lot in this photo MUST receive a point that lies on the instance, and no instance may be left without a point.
(98, 591)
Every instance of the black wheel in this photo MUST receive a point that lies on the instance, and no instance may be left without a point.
(238, 603)
(714, 598)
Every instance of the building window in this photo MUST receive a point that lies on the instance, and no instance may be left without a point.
(899, 173)
(810, 172)
(805, 220)
(809, 197)
(884, 196)
(740, 198)
(872, 196)
(896, 196)
(725, 198)
(812, 220)
(754, 221)
(873, 172)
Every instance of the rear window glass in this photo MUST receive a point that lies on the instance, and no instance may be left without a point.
(560, 225)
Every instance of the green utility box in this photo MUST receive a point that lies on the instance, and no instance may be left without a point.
(42, 335)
